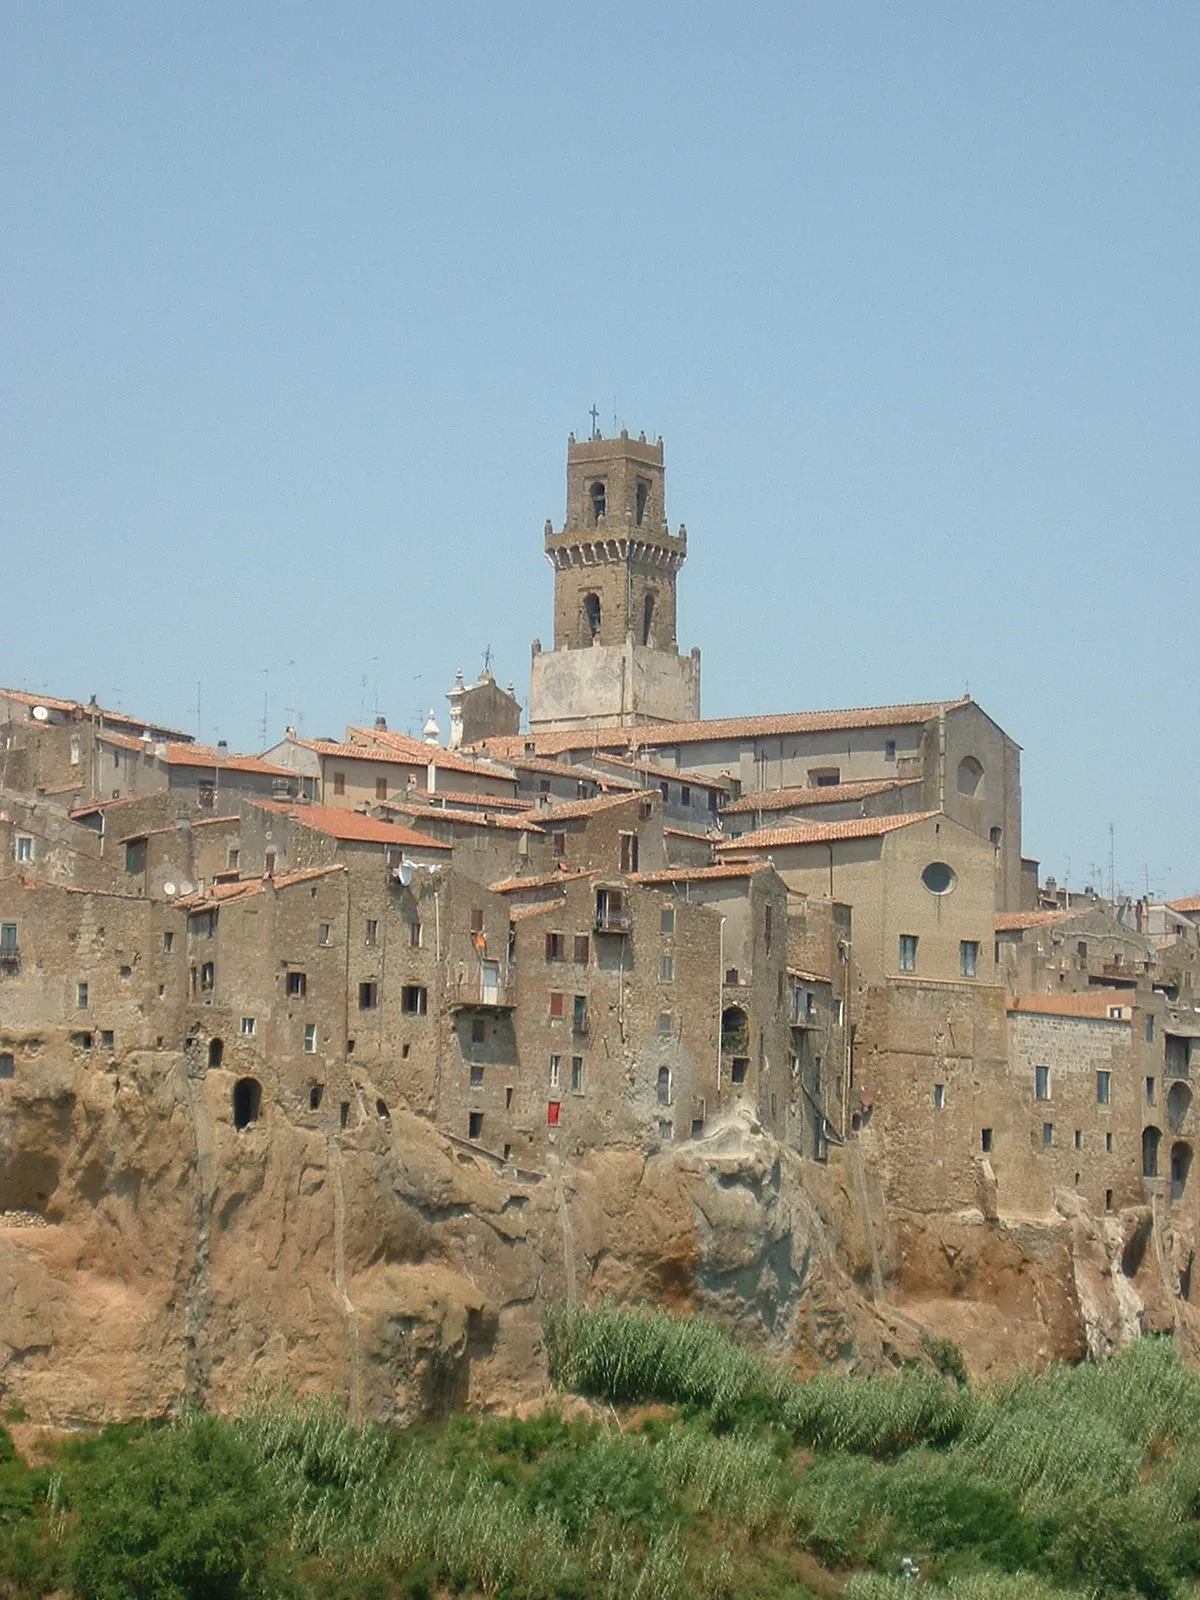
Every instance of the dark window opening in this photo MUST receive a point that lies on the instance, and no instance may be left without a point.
(1150, 1143)
(216, 1053)
(135, 855)
(591, 613)
(368, 996)
(1181, 1166)
(477, 1031)
(247, 1102)
(414, 1000)
(738, 1069)
(579, 1018)
(643, 496)
(315, 1095)
(344, 1114)
(647, 618)
(664, 1086)
(297, 984)
(8, 1065)
(556, 947)
(381, 1111)
(475, 1125)
(985, 1140)
(599, 501)
(269, 864)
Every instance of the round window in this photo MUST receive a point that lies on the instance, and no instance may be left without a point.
(938, 878)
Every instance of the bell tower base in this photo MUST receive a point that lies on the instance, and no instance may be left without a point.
(612, 686)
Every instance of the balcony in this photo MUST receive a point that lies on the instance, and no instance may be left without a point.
(478, 994)
(10, 956)
(612, 913)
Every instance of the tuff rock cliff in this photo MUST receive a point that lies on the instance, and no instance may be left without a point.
(162, 1256)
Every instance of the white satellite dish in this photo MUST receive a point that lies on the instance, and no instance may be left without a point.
(403, 873)
(40, 714)
(168, 889)
(185, 887)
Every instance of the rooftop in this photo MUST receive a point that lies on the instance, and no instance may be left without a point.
(726, 869)
(221, 893)
(829, 794)
(1015, 921)
(1190, 902)
(569, 810)
(1095, 1005)
(801, 833)
(418, 752)
(544, 880)
(352, 825)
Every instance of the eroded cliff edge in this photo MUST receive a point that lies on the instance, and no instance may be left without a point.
(160, 1255)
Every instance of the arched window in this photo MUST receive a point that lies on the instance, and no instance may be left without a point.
(599, 501)
(970, 776)
(643, 494)
(1150, 1139)
(1179, 1100)
(247, 1102)
(647, 617)
(664, 1086)
(216, 1053)
(1181, 1165)
(591, 613)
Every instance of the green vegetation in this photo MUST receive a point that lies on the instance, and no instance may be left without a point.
(719, 1476)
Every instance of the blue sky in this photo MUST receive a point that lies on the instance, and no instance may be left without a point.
(303, 300)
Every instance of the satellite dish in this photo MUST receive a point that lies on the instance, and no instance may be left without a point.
(403, 873)
(40, 714)
(185, 887)
(168, 889)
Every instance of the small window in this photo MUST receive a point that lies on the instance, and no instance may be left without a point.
(1149, 1091)
(889, 749)
(1079, 1138)
(247, 1102)
(322, 933)
(1149, 1030)
(824, 777)
(1103, 1088)
(269, 864)
(665, 788)
(968, 957)
(344, 1114)
(577, 1074)
(908, 952)
(249, 1027)
(558, 1004)
(8, 938)
(738, 1068)
(315, 1095)
(582, 948)
(666, 1130)
(559, 845)
(939, 877)
(1081, 949)
(591, 614)
(81, 996)
(939, 1097)
(1108, 1199)
(643, 495)
(74, 750)
(666, 969)
(232, 857)
(629, 852)
(666, 922)
(579, 1016)
(552, 1110)
(664, 1086)
(556, 947)
(296, 985)
(371, 932)
(994, 835)
(599, 504)
(477, 1077)
(81, 1041)
(665, 1026)
(1041, 1083)
(414, 935)
(310, 1038)
(1047, 1133)
(168, 942)
(107, 1039)
(685, 795)
(478, 1030)
(368, 996)
(8, 1064)
(767, 927)
(381, 788)
(1108, 1144)
(216, 1053)
(555, 1063)
(24, 847)
(476, 921)
(475, 1125)
(985, 1140)
(414, 1000)
(339, 783)
(970, 776)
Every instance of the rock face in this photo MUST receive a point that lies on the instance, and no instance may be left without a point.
(160, 1255)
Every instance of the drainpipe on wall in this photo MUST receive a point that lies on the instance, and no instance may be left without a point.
(720, 1000)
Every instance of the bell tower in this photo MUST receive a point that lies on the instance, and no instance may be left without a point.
(615, 659)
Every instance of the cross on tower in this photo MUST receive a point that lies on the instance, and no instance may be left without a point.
(595, 416)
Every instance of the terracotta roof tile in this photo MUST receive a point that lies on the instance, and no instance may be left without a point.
(418, 752)
(107, 805)
(203, 755)
(544, 880)
(726, 869)
(823, 832)
(569, 810)
(519, 913)
(518, 822)
(1190, 902)
(221, 893)
(1095, 1005)
(54, 703)
(455, 797)
(696, 780)
(1015, 921)
(787, 799)
(809, 977)
(352, 825)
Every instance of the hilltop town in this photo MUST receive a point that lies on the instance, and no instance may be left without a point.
(611, 930)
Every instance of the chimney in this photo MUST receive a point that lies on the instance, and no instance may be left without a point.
(380, 724)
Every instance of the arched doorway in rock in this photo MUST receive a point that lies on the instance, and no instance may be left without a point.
(1151, 1138)
(247, 1102)
(216, 1053)
(1181, 1166)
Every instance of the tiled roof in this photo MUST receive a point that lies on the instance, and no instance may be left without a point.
(417, 752)
(54, 703)
(566, 769)
(697, 780)
(831, 794)
(1015, 921)
(726, 869)
(455, 797)
(569, 810)
(823, 832)
(545, 880)
(106, 805)
(1190, 902)
(221, 893)
(809, 977)
(519, 913)
(669, 733)
(203, 755)
(123, 741)
(352, 825)
(1095, 1005)
(518, 822)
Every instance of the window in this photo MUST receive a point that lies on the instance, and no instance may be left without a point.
(477, 1077)
(135, 855)
(582, 944)
(994, 836)
(666, 1130)
(968, 957)
(1103, 1088)
(985, 1140)
(555, 1062)
(368, 996)
(1149, 1091)
(381, 788)
(315, 1095)
(685, 795)
(310, 1038)
(643, 495)
(414, 935)
(599, 502)
(556, 947)
(206, 794)
(559, 845)
(1081, 949)
(665, 1026)
(414, 1000)
(296, 985)
(558, 1005)
(168, 942)
(666, 969)
(339, 783)
(476, 921)
(939, 1097)
(232, 857)
(1108, 1144)
(8, 936)
(322, 933)
(824, 777)
(591, 614)
(970, 776)
(629, 852)
(24, 847)
(552, 1110)
(371, 932)
(81, 996)
(208, 976)
(475, 1125)
(908, 952)
(74, 750)
(1047, 1133)
(738, 1069)
(1149, 1030)
(666, 922)
(8, 1064)
(579, 1016)
(939, 878)
(889, 749)
(1041, 1083)
(81, 1041)
(767, 927)
(1079, 1138)
(249, 1027)
(577, 1074)
(665, 789)
(664, 1086)
(1108, 1199)
(107, 1039)
(269, 864)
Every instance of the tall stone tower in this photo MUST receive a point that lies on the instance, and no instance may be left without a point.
(615, 659)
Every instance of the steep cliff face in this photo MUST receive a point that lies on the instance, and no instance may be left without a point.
(151, 1253)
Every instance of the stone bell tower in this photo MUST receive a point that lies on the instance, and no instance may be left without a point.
(615, 660)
